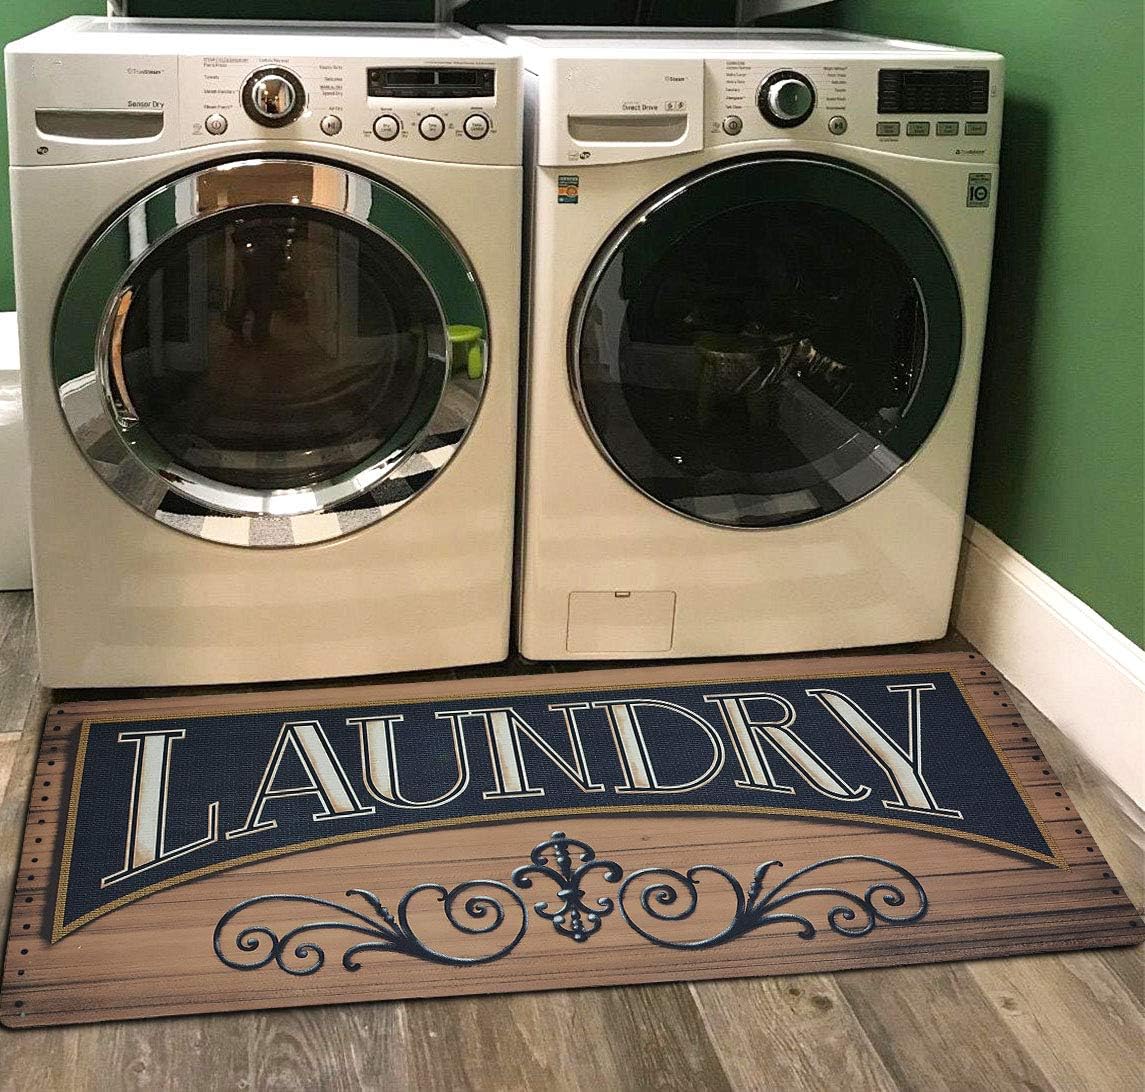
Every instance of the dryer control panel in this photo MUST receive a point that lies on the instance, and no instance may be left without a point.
(90, 90)
(460, 112)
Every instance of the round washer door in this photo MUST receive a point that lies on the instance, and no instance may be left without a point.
(270, 352)
(767, 342)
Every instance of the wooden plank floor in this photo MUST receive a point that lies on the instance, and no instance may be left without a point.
(1074, 1021)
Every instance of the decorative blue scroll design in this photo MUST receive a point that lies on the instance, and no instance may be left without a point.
(662, 895)
(296, 953)
(855, 915)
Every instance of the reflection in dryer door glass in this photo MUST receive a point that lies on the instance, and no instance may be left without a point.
(277, 348)
(748, 370)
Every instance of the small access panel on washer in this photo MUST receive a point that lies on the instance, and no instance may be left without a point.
(757, 290)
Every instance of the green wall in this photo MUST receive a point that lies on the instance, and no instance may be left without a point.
(1059, 462)
(17, 18)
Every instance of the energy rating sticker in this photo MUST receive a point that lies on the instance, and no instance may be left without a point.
(568, 189)
(978, 190)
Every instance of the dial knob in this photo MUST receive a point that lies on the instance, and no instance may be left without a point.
(274, 97)
(786, 99)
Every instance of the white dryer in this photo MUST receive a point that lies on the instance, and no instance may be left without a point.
(268, 295)
(759, 274)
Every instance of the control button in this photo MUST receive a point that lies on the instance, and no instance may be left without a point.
(946, 128)
(215, 124)
(387, 127)
(837, 125)
(786, 99)
(476, 126)
(273, 97)
(431, 127)
(974, 128)
(887, 128)
(733, 125)
(918, 128)
(331, 125)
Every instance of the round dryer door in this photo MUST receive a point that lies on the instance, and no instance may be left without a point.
(768, 342)
(271, 352)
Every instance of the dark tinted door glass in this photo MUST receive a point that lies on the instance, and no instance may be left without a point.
(277, 348)
(768, 345)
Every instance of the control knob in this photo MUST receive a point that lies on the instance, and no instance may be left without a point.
(273, 97)
(786, 99)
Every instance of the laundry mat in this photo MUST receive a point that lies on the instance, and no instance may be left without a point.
(483, 835)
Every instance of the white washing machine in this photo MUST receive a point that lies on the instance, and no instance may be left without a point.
(268, 294)
(759, 273)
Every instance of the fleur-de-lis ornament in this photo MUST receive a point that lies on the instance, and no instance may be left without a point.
(573, 917)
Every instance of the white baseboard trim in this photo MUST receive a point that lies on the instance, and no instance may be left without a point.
(1088, 678)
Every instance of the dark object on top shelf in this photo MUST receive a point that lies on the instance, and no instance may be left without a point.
(600, 13)
(698, 13)
(334, 11)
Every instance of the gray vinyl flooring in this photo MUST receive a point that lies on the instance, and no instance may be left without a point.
(1072, 1022)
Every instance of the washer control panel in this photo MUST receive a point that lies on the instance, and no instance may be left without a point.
(930, 108)
(676, 95)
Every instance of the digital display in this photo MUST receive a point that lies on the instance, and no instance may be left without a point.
(430, 83)
(934, 90)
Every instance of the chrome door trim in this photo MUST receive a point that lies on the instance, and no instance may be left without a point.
(620, 236)
(93, 307)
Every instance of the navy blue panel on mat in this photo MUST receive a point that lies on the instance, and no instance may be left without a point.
(156, 802)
